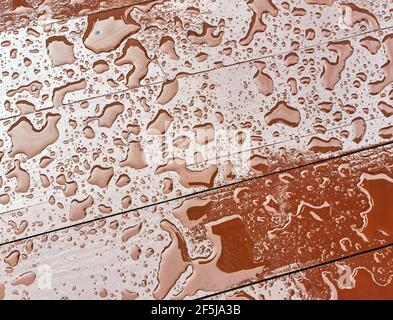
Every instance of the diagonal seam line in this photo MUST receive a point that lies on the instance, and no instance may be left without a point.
(207, 192)
(190, 74)
(300, 270)
(76, 101)
(323, 43)
(220, 159)
(344, 125)
(246, 180)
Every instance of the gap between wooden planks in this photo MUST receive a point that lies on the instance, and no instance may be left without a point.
(289, 248)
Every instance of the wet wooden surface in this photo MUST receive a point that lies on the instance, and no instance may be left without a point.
(188, 151)
(366, 276)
